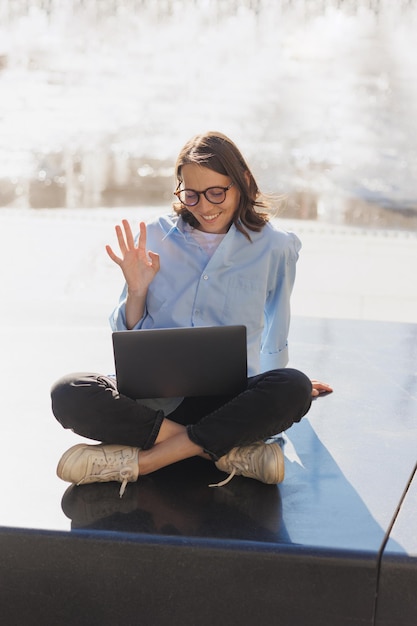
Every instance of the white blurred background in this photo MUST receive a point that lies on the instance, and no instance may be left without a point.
(98, 96)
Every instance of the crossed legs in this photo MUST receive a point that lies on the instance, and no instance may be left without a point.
(91, 405)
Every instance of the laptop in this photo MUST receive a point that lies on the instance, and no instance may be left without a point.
(181, 362)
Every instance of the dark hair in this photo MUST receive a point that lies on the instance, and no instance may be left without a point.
(218, 153)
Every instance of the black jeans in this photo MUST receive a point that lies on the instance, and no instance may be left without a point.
(91, 406)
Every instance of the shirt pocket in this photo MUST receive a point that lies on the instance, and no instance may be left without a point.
(245, 300)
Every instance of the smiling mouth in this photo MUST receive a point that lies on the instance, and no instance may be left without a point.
(210, 218)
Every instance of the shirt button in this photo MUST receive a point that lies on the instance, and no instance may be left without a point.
(205, 277)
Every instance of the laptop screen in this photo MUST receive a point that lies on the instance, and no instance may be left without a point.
(181, 362)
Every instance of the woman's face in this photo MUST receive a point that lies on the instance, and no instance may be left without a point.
(211, 218)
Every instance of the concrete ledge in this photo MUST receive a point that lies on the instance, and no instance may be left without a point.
(106, 578)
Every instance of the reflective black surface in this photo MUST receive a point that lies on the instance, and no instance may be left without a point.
(178, 502)
(347, 463)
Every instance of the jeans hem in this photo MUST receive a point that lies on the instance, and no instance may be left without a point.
(155, 430)
(190, 432)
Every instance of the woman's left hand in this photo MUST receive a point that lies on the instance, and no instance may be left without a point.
(320, 388)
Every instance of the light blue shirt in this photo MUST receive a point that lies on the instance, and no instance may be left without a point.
(244, 282)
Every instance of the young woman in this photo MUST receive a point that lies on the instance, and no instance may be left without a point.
(217, 261)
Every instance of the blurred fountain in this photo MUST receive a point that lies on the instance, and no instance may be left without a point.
(97, 98)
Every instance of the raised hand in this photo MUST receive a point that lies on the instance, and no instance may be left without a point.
(138, 265)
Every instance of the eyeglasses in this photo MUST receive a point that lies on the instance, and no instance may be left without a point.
(191, 197)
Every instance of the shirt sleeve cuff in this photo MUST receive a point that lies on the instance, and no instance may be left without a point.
(274, 360)
(118, 320)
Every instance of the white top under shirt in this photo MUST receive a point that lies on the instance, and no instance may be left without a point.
(208, 241)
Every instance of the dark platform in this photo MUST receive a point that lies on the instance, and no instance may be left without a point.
(335, 544)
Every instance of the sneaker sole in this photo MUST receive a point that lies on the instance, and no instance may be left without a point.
(280, 464)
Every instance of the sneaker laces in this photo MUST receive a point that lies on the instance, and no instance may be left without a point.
(259, 460)
(125, 474)
(122, 476)
(226, 480)
(243, 464)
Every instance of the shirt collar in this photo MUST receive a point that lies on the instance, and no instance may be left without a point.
(179, 225)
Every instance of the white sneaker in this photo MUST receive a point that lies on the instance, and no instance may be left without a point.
(83, 464)
(261, 461)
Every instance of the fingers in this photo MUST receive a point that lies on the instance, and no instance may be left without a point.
(125, 236)
(142, 235)
(154, 261)
(320, 385)
(130, 240)
(112, 255)
(126, 239)
(319, 388)
(121, 239)
(131, 251)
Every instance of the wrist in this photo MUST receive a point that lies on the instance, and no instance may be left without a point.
(136, 294)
